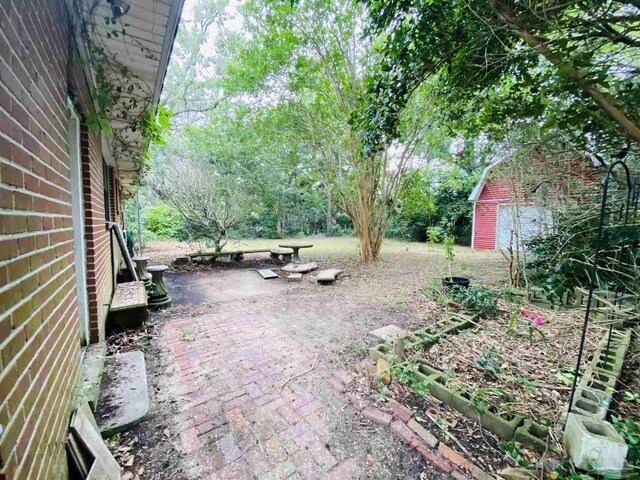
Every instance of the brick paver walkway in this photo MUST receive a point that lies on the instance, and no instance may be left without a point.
(243, 411)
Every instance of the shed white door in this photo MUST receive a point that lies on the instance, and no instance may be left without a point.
(520, 223)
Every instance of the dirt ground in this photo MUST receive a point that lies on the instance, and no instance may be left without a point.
(228, 324)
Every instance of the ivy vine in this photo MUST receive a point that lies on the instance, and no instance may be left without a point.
(124, 107)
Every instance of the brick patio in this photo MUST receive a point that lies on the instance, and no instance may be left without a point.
(244, 414)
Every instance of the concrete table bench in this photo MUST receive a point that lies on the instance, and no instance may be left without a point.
(158, 295)
(278, 253)
(128, 307)
(235, 256)
(296, 248)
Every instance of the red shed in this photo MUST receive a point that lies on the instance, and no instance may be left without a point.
(497, 217)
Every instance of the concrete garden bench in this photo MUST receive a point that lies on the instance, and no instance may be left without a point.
(128, 307)
(235, 256)
(296, 248)
(281, 253)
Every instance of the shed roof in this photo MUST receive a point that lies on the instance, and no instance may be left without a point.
(477, 190)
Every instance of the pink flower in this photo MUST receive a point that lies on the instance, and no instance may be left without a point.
(455, 305)
(538, 320)
(524, 313)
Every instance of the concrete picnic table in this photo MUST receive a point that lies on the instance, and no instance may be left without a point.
(296, 248)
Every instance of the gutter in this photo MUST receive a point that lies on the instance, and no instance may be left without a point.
(169, 39)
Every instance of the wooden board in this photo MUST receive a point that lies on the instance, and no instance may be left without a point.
(125, 252)
(86, 436)
(222, 254)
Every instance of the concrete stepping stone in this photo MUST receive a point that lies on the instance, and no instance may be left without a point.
(389, 332)
(267, 274)
(124, 399)
(300, 267)
(294, 277)
(328, 276)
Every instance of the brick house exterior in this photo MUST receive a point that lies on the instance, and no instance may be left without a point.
(49, 307)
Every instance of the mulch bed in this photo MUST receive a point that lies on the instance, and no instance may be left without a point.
(458, 432)
(530, 376)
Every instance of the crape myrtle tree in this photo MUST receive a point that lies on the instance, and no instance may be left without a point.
(312, 56)
(571, 65)
(209, 201)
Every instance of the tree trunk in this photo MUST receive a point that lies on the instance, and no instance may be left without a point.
(327, 228)
(279, 227)
(368, 231)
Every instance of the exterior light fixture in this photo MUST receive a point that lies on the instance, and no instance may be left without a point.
(118, 8)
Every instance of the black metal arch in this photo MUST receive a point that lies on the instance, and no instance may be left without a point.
(628, 209)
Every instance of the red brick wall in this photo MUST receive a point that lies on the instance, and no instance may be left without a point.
(39, 332)
(99, 272)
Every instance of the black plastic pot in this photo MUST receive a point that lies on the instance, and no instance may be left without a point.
(455, 282)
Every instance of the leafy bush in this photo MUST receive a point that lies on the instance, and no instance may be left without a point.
(163, 220)
(561, 260)
(436, 234)
(479, 300)
(488, 361)
(630, 432)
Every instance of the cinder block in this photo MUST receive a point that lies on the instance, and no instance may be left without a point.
(503, 424)
(437, 388)
(598, 381)
(587, 403)
(534, 436)
(594, 445)
(378, 352)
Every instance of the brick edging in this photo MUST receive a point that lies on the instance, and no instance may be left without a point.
(402, 423)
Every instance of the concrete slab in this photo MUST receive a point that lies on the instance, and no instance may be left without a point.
(93, 357)
(129, 305)
(300, 267)
(124, 399)
(128, 295)
(267, 274)
(216, 286)
(294, 277)
(328, 276)
(389, 332)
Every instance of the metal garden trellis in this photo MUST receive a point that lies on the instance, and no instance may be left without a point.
(628, 210)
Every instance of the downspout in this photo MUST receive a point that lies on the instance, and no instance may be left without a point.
(139, 227)
(113, 263)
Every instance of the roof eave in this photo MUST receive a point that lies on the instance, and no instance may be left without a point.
(477, 190)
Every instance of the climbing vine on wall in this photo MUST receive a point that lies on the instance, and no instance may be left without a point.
(123, 102)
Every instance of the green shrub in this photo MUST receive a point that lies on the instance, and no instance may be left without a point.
(480, 300)
(163, 220)
(436, 234)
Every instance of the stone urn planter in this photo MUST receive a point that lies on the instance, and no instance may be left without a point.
(141, 271)
(158, 295)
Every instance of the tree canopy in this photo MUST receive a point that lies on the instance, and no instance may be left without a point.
(569, 65)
